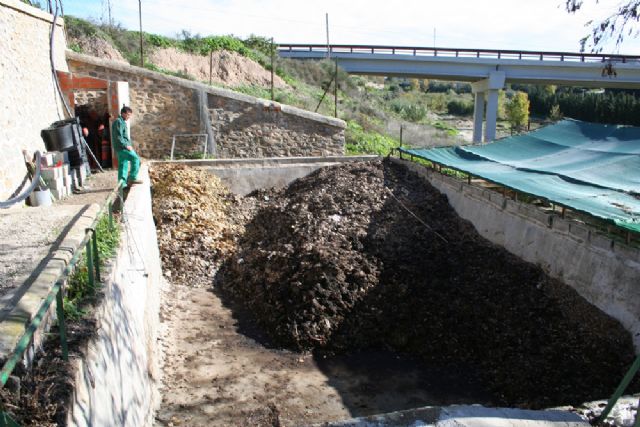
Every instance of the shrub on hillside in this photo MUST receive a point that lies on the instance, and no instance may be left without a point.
(460, 107)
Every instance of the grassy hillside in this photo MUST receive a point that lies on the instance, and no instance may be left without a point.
(430, 113)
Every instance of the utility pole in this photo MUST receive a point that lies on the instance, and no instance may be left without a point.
(328, 48)
(434, 37)
(272, 65)
(140, 16)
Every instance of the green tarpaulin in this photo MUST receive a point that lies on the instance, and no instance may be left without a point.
(588, 167)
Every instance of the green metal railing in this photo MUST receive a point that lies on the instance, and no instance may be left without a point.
(90, 242)
(633, 370)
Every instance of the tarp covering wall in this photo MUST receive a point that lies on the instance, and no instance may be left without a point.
(588, 167)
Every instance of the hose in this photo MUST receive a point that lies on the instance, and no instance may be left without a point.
(34, 182)
(55, 75)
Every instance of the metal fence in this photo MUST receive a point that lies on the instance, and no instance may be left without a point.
(90, 243)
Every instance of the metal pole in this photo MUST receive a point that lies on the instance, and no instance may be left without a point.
(90, 268)
(61, 324)
(335, 93)
(210, 66)
(96, 255)
(328, 48)
(272, 61)
(111, 215)
(621, 388)
(140, 16)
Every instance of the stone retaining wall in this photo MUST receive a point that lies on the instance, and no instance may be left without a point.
(30, 102)
(240, 125)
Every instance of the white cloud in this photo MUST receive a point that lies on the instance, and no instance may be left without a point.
(497, 24)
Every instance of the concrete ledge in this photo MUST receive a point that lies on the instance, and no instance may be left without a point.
(226, 93)
(115, 381)
(265, 162)
(243, 176)
(15, 324)
(465, 416)
(31, 11)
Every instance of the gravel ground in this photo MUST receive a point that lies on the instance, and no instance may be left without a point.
(30, 234)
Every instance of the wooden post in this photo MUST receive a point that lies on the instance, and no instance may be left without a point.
(140, 16)
(210, 66)
(272, 54)
(400, 135)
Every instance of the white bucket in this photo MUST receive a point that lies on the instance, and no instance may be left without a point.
(40, 198)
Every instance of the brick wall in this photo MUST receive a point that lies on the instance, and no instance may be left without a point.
(241, 125)
(27, 90)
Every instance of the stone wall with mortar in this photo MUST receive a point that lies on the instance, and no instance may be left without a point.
(96, 100)
(603, 271)
(27, 91)
(240, 125)
(263, 129)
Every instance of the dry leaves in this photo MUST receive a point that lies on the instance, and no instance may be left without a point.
(195, 232)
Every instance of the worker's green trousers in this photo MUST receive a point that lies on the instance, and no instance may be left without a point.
(126, 157)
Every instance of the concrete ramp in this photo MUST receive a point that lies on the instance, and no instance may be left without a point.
(465, 416)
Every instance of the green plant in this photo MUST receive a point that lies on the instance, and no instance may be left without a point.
(75, 47)
(460, 107)
(360, 142)
(517, 110)
(79, 289)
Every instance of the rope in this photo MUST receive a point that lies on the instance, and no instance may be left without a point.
(34, 182)
(427, 226)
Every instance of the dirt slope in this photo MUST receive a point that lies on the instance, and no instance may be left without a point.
(229, 68)
(98, 47)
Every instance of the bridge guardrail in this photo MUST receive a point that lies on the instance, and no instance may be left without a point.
(460, 53)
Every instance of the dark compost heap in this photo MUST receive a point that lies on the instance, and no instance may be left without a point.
(369, 255)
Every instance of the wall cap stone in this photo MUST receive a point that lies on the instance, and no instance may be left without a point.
(225, 93)
(32, 11)
(266, 161)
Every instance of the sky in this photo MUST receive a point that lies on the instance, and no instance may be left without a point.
(541, 25)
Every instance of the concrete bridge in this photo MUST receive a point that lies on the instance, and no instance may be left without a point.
(487, 70)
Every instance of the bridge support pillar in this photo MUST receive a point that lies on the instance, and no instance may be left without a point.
(478, 117)
(489, 86)
(492, 115)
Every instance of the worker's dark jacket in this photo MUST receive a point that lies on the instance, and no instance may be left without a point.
(120, 134)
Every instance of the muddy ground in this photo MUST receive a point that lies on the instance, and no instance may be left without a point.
(322, 287)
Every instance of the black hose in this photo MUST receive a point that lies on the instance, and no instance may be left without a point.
(57, 81)
(34, 182)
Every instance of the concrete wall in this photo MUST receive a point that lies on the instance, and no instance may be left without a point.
(240, 125)
(116, 381)
(243, 176)
(603, 271)
(29, 100)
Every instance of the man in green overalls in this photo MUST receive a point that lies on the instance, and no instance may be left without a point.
(124, 149)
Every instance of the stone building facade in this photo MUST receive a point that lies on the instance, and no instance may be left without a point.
(29, 97)
(239, 125)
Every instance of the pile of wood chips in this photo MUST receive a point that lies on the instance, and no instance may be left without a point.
(195, 230)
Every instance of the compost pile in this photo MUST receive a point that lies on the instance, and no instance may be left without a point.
(194, 215)
(369, 255)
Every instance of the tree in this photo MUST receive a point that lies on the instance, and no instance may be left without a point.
(616, 26)
(517, 110)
